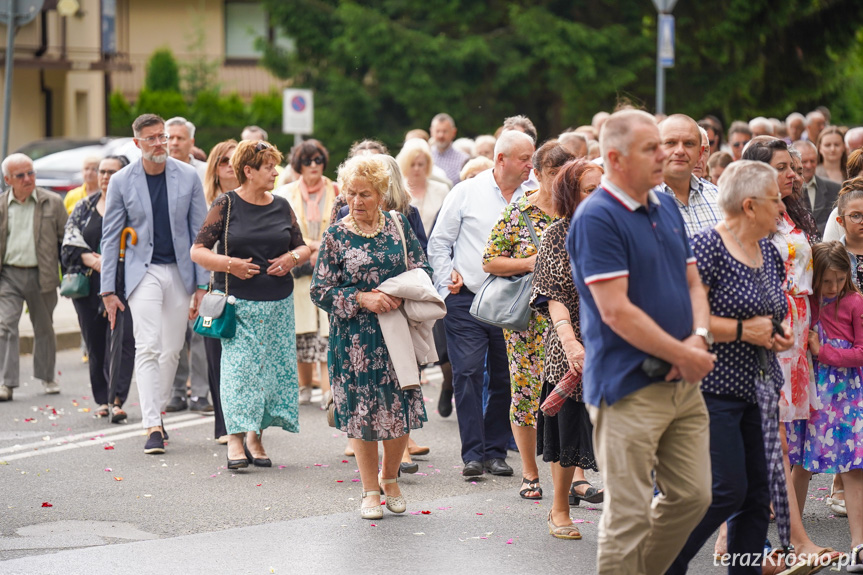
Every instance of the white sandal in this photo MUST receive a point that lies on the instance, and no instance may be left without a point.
(395, 503)
(376, 512)
(837, 506)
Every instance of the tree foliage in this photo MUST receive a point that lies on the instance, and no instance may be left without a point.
(380, 67)
(163, 72)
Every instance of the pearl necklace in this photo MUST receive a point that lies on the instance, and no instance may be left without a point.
(372, 234)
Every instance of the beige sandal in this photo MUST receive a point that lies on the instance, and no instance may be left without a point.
(564, 531)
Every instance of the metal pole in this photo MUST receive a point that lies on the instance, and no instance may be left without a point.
(7, 85)
(660, 71)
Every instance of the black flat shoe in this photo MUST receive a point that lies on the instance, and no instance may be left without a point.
(412, 467)
(237, 463)
(255, 461)
(591, 494)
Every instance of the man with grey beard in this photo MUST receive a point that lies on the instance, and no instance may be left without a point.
(163, 200)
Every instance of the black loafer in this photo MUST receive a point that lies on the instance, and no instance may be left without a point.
(238, 463)
(472, 469)
(412, 467)
(176, 404)
(155, 444)
(498, 466)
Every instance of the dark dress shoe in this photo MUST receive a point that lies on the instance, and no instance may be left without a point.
(444, 402)
(498, 466)
(176, 404)
(412, 467)
(472, 469)
(256, 461)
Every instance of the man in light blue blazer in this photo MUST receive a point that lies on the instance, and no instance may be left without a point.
(163, 200)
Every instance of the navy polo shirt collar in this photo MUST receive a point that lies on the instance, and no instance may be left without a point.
(628, 201)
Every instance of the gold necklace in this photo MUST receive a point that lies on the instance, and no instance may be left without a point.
(366, 234)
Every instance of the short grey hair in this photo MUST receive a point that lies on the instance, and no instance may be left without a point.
(743, 179)
(248, 131)
(564, 137)
(795, 116)
(851, 134)
(763, 122)
(485, 138)
(801, 143)
(814, 113)
(442, 117)
(14, 159)
(616, 132)
(507, 141)
(180, 121)
(705, 137)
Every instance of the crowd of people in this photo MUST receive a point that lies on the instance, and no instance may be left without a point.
(689, 334)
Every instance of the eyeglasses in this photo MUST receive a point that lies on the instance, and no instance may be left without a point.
(738, 144)
(153, 139)
(855, 217)
(107, 172)
(261, 146)
(224, 161)
(22, 175)
(308, 161)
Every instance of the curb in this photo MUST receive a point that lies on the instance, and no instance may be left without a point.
(65, 340)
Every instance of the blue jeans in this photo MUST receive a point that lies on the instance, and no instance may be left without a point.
(741, 493)
(474, 347)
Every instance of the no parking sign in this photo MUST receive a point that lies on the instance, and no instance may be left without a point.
(298, 111)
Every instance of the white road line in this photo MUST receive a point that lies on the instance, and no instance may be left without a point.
(89, 443)
(97, 438)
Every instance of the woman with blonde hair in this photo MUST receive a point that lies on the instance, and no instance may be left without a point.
(219, 176)
(415, 162)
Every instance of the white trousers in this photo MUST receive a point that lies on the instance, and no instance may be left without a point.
(160, 312)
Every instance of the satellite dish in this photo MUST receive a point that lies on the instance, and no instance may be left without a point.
(25, 11)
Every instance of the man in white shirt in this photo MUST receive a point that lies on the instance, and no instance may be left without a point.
(455, 250)
(193, 358)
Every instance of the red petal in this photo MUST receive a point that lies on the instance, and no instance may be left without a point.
(46, 504)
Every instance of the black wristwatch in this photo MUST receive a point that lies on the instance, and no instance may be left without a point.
(106, 294)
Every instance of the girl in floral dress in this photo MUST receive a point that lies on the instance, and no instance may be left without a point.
(834, 440)
(510, 238)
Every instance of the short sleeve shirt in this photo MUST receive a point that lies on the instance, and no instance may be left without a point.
(612, 236)
(740, 292)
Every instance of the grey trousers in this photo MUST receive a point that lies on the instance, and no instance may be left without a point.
(19, 285)
(195, 357)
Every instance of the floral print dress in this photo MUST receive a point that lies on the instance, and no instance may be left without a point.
(525, 350)
(369, 404)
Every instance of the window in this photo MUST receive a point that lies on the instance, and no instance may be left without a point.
(245, 22)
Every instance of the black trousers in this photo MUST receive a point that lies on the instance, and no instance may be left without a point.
(97, 333)
(213, 348)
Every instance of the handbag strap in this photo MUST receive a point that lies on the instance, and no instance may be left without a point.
(395, 216)
(530, 229)
(227, 221)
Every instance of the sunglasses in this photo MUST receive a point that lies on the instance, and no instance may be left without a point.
(308, 161)
(107, 172)
(224, 161)
(261, 146)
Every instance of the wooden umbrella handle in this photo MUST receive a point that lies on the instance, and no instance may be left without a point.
(131, 235)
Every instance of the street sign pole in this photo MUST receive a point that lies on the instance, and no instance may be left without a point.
(16, 13)
(7, 83)
(664, 48)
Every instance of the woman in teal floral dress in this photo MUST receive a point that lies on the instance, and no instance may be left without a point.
(357, 254)
(510, 239)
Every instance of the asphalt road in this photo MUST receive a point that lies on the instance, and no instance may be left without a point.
(78, 495)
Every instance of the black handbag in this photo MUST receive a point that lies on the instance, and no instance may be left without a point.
(217, 316)
(505, 301)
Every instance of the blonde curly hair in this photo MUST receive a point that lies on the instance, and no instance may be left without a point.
(370, 169)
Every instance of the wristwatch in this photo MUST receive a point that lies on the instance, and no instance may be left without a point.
(296, 257)
(705, 333)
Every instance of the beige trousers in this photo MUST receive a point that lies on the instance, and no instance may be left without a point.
(663, 427)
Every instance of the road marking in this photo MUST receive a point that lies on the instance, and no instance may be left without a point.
(92, 439)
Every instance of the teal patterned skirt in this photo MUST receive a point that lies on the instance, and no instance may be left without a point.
(259, 385)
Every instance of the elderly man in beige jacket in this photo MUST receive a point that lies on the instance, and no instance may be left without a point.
(31, 230)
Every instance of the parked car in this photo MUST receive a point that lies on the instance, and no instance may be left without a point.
(58, 161)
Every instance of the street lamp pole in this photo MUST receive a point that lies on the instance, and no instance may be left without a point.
(664, 47)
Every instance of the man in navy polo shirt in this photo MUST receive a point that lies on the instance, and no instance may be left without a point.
(641, 297)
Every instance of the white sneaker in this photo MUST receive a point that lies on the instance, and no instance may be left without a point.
(305, 395)
(5, 393)
(51, 387)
